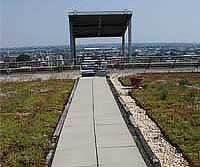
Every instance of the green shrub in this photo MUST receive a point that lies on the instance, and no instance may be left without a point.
(163, 94)
(183, 82)
(145, 86)
(23, 57)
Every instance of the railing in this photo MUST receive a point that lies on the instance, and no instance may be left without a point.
(45, 63)
(110, 62)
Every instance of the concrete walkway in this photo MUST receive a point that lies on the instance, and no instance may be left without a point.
(94, 133)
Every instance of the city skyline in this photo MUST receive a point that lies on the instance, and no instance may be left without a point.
(39, 23)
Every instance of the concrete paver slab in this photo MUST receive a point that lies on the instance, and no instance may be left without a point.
(113, 136)
(75, 158)
(120, 156)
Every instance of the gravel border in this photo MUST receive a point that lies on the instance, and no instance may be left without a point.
(168, 155)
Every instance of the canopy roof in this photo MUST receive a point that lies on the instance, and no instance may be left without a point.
(99, 24)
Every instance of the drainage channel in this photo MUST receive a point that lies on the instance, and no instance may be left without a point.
(94, 125)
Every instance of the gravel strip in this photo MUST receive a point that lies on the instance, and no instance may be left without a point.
(165, 152)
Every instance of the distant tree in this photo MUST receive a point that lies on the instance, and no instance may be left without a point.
(23, 57)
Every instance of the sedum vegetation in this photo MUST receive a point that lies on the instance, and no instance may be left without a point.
(29, 113)
(172, 100)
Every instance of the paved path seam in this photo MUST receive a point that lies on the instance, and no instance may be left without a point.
(94, 125)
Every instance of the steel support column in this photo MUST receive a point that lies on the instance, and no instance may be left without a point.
(74, 51)
(72, 44)
(123, 45)
(129, 40)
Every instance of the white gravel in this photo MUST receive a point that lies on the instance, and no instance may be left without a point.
(165, 152)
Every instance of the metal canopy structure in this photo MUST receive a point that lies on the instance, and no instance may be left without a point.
(99, 24)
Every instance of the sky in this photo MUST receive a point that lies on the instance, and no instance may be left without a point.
(45, 22)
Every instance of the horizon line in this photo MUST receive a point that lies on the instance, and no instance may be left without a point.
(117, 43)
